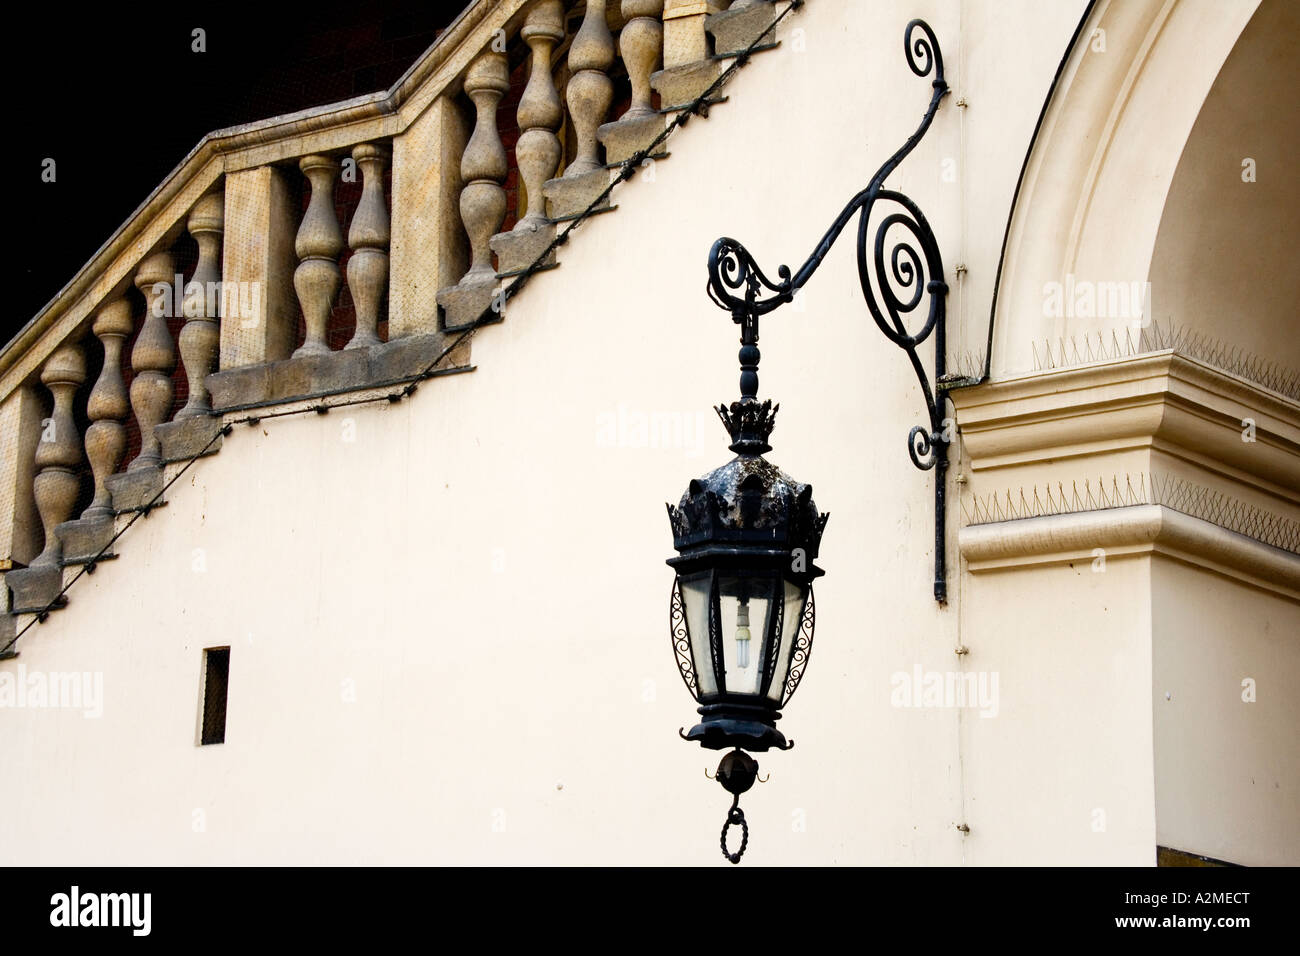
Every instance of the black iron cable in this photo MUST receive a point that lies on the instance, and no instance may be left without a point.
(699, 106)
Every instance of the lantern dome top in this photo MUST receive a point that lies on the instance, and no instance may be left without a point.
(746, 505)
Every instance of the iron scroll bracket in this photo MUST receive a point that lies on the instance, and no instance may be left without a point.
(896, 280)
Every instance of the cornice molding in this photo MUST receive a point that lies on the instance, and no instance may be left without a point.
(1137, 530)
(1162, 400)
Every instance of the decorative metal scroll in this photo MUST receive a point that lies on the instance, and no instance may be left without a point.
(802, 648)
(681, 636)
(901, 277)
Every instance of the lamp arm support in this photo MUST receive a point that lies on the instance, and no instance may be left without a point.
(896, 278)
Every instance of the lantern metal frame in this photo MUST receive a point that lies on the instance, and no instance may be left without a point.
(795, 666)
(748, 520)
(729, 718)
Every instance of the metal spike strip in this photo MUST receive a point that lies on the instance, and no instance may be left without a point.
(1170, 491)
(1089, 347)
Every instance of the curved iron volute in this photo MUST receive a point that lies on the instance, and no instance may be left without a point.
(897, 278)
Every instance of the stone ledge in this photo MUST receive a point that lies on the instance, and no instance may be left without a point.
(84, 539)
(35, 588)
(628, 135)
(462, 304)
(569, 195)
(680, 85)
(134, 490)
(734, 30)
(338, 372)
(189, 438)
(1140, 529)
(8, 628)
(518, 249)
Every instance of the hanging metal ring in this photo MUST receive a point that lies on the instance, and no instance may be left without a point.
(735, 817)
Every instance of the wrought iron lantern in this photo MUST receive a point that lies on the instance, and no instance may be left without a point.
(742, 605)
(741, 612)
(742, 608)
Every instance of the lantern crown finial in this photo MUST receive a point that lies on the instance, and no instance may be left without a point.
(749, 422)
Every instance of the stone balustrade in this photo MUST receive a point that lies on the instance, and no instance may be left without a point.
(554, 190)
(71, 468)
(256, 321)
(666, 52)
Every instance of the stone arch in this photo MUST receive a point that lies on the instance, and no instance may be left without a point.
(1223, 274)
(1100, 171)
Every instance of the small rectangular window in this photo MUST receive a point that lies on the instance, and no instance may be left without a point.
(216, 678)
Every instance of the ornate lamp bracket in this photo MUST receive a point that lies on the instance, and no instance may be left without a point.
(896, 282)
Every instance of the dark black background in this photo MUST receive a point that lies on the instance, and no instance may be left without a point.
(115, 95)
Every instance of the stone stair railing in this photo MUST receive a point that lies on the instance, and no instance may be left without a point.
(226, 288)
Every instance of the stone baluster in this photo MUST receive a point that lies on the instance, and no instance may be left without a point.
(318, 278)
(368, 236)
(589, 94)
(540, 114)
(59, 452)
(538, 150)
(201, 335)
(590, 89)
(640, 43)
(56, 486)
(483, 169)
(194, 432)
(152, 358)
(108, 406)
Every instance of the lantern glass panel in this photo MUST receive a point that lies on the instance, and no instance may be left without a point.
(696, 594)
(745, 612)
(795, 596)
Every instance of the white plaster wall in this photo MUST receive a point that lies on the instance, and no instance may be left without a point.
(479, 692)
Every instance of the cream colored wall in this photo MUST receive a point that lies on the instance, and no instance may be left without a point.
(1226, 774)
(1063, 774)
(484, 577)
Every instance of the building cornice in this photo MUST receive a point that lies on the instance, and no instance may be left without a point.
(1138, 530)
(1060, 463)
(1161, 400)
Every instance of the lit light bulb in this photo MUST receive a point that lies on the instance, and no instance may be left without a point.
(742, 634)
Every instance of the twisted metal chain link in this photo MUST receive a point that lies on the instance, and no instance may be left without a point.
(735, 817)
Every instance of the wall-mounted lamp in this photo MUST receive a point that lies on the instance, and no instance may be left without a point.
(747, 534)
